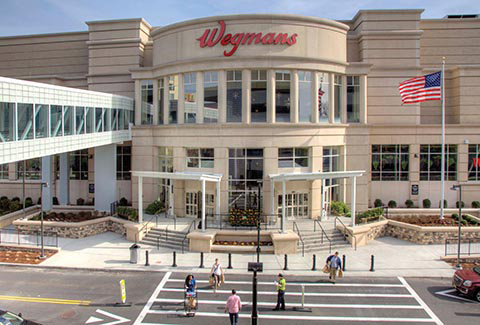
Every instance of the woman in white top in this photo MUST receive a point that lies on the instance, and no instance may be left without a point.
(216, 272)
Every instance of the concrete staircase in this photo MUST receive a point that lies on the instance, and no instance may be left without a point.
(313, 241)
(166, 238)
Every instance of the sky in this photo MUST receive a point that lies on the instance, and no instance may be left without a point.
(24, 17)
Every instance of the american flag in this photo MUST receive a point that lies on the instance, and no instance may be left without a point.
(420, 89)
(320, 94)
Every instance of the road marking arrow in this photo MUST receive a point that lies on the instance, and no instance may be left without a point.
(446, 293)
(117, 319)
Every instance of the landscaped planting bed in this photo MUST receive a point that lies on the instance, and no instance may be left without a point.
(69, 216)
(243, 243)
(22, 255)
(435, 221)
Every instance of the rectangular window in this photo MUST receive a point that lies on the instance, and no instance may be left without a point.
(191, 204)
(124, 162)
(7, 122)
(200, 158)
(4, 171)
(353, 99)
(258, 106)
(68, 120)
(90, 116)
(323, 97)
(79, 165)
(172, 99)
(234, 96)
(473, 162)
(331, 163)
(190, 91)
(210, 97)
(41, 121)
(338, 94)
(99, 117)
(56, 121)
(161, 89)
(114, 119)
(304, 96)
(147, 101)
(431, 162)
(282, 96)
(80, 120)
(390, 162)
(25, 121)
(292, 157)
(33, 168)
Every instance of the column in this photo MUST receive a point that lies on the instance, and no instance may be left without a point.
(323, 213)
(352, 208)
(270, 96)
(363, 99)
(181, 100)
(105, 167)
(64, 179)
(217, 197)
(315, 86)
(155, 102)
(203, 206)
(47, 178)
(138, 103)
(284, 210)
(272, 197)
(331, 98)
(140, 199)
(222, 96)
(246, 96)
(294, 97)
(200, 99)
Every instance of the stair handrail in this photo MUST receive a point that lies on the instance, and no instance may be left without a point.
(189, 229)
(145, 224)
(295, 226)
(346, 230)
(317, 222)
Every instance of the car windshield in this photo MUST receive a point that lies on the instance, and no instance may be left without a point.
(10, 319)
(476, 270)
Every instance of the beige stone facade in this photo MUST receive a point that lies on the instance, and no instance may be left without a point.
(368, 56)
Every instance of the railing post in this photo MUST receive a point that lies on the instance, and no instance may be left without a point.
(285, 268)
(201, 261)
(230, 261)
(446, 240)
(314, 267)
(174, 264)
(146, 259)
(158, 243)
(372, 264)
(344, 258)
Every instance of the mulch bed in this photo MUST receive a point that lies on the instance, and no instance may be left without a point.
(22, 255)
(71, 217)
(243, 243)
(467, 265)
(430, 221)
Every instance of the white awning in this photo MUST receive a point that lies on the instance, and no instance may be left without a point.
(180, 175)
(314, 175)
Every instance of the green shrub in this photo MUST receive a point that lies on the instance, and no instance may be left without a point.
(155, 207)
(427, 203)
(445, 204)
(28, 202)
(409, 203)
(14, 206)
(123, 202)
(3, 198)
(127, 213)
(377, 203)
(4, 203)
(464, 222)
(458, 203)
(339, 208)
(369, 215)
(80, 201)
(476, 204)
(55, 201)
(392, 204)
(16, 199)
(455, 216)
(39, 201)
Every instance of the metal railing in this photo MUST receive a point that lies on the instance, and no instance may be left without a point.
(174, 220)
(467, 246)
(243, 221)
(12, 236)
(324, 234)
(297, 230)
(194, 224)
(155, 216)
(346, 230)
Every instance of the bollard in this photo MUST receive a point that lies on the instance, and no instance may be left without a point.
(372, 264)
(314, 267)
(286, 262)
(201, 261)
(146, 259)
(174, 264)
(344, 258)
(230, 261)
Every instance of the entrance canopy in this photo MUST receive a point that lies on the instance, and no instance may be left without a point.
(285, 177)
(186, 176)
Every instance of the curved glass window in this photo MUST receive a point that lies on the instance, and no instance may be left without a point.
(323, 98)
(305, 96)
(258, 105)
(234, 96)
(190, 94)
(338, 89)
(210, 97)
(147, 101)
(172, 99)
(282, 96)
(353, 99)
(161, 96)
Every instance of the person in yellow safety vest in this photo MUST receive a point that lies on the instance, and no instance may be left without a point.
(281, 287)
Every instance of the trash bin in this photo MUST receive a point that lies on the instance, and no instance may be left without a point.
(134, 253)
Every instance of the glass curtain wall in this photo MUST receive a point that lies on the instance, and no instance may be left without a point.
(210, 97)
(282, 96)
(25, 121)
(7, 122)
(234, 96)
(304, 96)
(161, 96)
(323, 97)
(353, 99)
(147, 101)
(190, 94)
(258, 105)
(56, 121)
(337, 90)
(172, 99)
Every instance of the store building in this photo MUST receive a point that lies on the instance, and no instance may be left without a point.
(248, 97)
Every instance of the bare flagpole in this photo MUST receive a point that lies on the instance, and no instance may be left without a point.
(442, 213)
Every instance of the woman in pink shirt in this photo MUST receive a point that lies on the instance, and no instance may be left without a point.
(234, 305)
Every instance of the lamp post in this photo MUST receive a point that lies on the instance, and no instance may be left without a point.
(454, 188)
(259, 206)
(42, 252)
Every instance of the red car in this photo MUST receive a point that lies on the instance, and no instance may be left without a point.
(468, 282)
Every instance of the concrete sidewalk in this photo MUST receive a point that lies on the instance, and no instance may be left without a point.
(393, 257)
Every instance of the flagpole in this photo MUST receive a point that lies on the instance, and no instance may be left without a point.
(442, 213)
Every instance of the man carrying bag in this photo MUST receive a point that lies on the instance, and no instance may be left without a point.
(334, 263)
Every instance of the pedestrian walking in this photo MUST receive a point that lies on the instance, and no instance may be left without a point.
(217, 274)
(233, 306)
(334, 263)
(281, 285)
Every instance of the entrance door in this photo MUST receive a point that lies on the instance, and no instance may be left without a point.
(296, 205)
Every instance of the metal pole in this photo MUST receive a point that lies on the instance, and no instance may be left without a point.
(174, 264)
(258, 222)
(343, 262)
(201, 261)
(42, 252)
(285, 268)
(372, 264)
(314, 267)
(459, 227)
(443, 141)
(254, 299)
(230, 261)
(23, 186)
(146, 259)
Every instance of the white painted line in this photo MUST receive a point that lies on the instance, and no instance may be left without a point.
(308, 284)
(246, 303)
(150, 301)
(446, 293)
(313, 294)
(118, 319)
(300, 317)
(420, 301)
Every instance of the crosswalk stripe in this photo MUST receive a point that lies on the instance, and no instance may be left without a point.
(308, 284)
(308, 305)
(300, 317)
(148, 305)
(313, 294)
